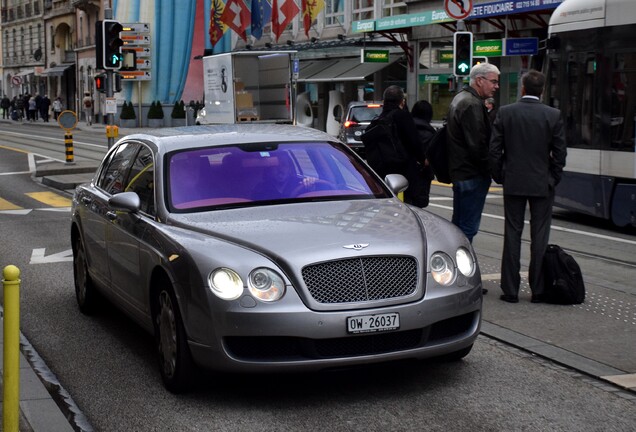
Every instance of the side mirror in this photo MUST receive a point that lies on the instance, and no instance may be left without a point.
(126, 202)
(396, 182)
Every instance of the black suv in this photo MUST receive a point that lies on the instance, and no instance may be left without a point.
(355, 121)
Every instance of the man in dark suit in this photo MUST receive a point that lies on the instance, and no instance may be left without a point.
(527, 156)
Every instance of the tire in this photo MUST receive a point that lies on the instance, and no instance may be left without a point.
(85, 292)
(175, 361)
(455, 356)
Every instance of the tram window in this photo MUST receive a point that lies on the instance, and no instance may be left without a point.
(623, 105)
(581, 118)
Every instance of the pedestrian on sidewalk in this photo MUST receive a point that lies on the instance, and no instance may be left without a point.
(87, 104)
(422, 113)
(5, 104)
(527, 156)
(19, 107)
(32, 109)
(45, 104)
(468, 134)
(57, 107)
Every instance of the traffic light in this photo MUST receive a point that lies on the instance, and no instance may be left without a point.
(102, 79)
(479, 59)
(463, 53)
(108, 44)
(100, 83)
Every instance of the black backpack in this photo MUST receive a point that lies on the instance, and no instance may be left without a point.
(563, 278)
(437, 155)
(382, 145)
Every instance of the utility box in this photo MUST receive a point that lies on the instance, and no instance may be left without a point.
(248, 86)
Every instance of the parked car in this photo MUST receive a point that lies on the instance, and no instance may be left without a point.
(269, 248)
(355, 120)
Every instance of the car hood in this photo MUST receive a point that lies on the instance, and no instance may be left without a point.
(318, 231)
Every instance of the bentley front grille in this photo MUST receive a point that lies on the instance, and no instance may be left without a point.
(361, 279)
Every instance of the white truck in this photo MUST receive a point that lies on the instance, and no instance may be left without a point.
(246, 86)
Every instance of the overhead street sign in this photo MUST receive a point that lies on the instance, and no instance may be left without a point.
(458, 9)
(136, 37)
(136, 27)
(138, 75)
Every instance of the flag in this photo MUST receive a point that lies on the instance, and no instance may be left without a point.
(261, 15)
(217, 28)
(282, 15)
(236, 16)
(311, 9)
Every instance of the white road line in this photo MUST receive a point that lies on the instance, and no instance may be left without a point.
(554, 227)
(55, 139)
(16, 172)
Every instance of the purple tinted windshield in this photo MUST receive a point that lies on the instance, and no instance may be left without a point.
(235, 175)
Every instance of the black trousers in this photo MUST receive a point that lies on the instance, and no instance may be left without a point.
(540, 221)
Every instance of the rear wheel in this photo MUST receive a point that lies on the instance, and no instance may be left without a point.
(85, 292)
(175, 361)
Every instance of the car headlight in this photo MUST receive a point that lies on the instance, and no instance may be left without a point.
(465, 263)
(442, 268)
(226, 284)
(266, 285)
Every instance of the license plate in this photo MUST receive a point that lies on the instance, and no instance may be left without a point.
(373, 323)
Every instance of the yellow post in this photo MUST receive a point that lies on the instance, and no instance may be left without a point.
(112, 131)
(11, 357)
(68, 142)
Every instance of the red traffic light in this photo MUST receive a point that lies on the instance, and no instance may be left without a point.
(100, 83)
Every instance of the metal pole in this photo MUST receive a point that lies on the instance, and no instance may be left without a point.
(11, 355)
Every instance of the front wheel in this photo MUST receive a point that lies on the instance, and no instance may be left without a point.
(175, 362)
(85, 292)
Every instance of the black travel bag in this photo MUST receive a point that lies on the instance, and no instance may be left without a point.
(563, 277)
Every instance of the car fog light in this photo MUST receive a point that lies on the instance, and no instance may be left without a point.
(465, 263)
(266, 285)
(226, 284)
(442, 268)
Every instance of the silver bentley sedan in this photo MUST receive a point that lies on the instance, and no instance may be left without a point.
(256, 248)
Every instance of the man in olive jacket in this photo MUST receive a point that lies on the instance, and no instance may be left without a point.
(468, 137)
(527, 156)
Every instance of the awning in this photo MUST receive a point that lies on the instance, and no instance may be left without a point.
(24, 73)
(348, 69)
(57, 70)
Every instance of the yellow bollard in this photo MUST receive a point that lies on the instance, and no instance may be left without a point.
(68, 143)
(11, 356)
(112, 131)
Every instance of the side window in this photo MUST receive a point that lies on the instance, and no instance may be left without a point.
(623, 101)
(113, 177)
(141, 180)
(581, 118)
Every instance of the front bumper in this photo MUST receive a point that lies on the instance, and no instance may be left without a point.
(305, 340)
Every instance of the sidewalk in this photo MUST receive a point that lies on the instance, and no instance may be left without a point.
(601, 345)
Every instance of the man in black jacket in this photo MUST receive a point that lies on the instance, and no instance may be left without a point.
(527, 156)
(468, 135)
(394, 106)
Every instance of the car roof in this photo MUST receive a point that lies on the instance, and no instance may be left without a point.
(211, 135)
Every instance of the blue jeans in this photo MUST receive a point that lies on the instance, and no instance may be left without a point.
(469, 197)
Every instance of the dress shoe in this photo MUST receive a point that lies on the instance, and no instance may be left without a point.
(537, 298)
(509, 298)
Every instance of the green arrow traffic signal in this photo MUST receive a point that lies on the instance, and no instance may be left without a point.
(463, 53)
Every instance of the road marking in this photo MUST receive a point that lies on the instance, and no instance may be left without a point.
(37, 256)
(16, 172)
(497, 276)
(6, 205)
(50, 198)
